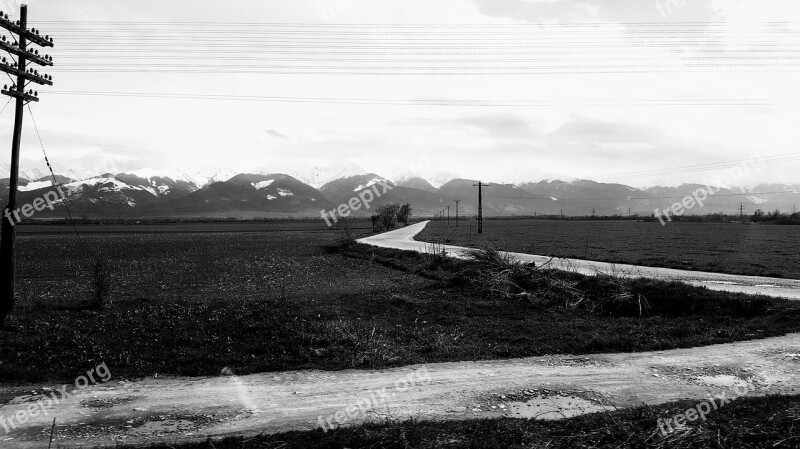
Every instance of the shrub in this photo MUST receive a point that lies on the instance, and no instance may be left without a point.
(101, 282)
(388, 216)
(404, 214)
(347, 238)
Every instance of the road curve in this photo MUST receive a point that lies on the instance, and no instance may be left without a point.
(782, 288)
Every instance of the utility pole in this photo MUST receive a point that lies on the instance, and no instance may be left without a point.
(456, 201)
(17, 91)
(592, 212)
(741, 210)
(448, 215)
(480, 186)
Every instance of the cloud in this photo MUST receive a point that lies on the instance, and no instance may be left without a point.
(500, 125)
(616, 11)
(276, 134)
(495, 125)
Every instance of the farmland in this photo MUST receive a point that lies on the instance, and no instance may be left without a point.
(192, 299)
(747, 249)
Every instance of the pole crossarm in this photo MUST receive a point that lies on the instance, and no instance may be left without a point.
(30, 35)
(30, 56)
(30, 76)
(21, 95)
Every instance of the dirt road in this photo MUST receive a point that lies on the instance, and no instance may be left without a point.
(786, 288)
(187, 409)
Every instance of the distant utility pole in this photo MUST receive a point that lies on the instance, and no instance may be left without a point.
(562, 214)
(741, 210)
(20, 69)
(592, 212)
(480, 186)
(448, 215)
(456, 201)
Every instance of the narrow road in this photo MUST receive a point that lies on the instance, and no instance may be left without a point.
(784, 288)
(175, 410)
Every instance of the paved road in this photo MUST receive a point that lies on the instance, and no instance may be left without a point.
(786, 288)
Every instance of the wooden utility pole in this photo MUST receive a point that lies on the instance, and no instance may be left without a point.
(456, 201)
(448, 215)
(480, 186)
(17, 91)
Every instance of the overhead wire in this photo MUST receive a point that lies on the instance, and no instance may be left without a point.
(52, 173)
(640, 198)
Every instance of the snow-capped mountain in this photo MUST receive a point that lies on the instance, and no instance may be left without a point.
(173, 192)
(318, 175)
(199, 178)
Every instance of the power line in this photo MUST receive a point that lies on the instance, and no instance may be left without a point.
(442, 102)
(641, 198)
(410, 25)
(770, 159)
(52, 173)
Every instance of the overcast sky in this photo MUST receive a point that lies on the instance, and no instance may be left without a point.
(486, 89)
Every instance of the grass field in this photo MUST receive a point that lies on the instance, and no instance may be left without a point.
(749, 249)
(193, 299)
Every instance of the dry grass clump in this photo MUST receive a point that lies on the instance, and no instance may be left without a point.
(497, 274)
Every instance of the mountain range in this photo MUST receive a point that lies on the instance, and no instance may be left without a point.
(221, 193)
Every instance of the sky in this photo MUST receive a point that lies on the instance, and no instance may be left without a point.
(626, 91)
